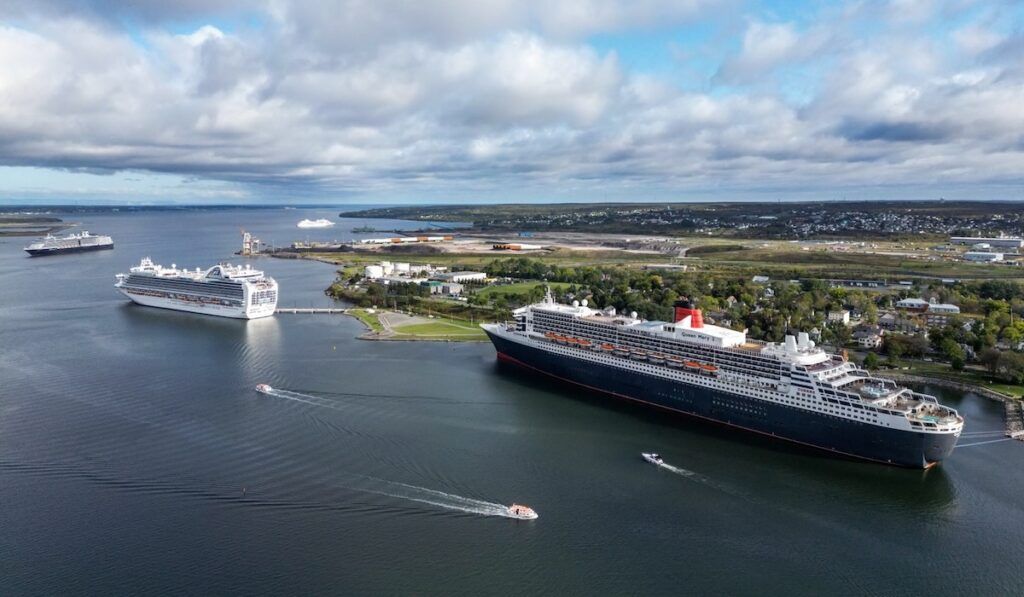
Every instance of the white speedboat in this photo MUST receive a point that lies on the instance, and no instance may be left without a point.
(263, 388)
(652, 458)
(321, 223)
(521, 512)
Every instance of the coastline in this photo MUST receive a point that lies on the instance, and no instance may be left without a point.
(947, 383)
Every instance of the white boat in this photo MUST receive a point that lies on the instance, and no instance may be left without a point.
(224, 290)
(321, 223)
(652, 458)
(521, 512)
(263, 388)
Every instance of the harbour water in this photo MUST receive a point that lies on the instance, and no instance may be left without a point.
(135, 457)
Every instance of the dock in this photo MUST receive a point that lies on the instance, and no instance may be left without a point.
(311, 310)
(1014, 419)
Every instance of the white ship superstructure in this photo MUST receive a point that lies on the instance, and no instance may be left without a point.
(224, 290)
(792, 390)
(72, 243)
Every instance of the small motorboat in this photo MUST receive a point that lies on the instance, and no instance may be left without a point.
(263, 388)
(521, 512)
(652, 458)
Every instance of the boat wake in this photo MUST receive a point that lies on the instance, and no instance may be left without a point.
(304, 398)
(699, 478)
(441, 499)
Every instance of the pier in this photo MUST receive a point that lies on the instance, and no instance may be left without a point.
(311, 310)
(1014, 420)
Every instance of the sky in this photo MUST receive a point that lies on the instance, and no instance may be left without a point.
(456, 101)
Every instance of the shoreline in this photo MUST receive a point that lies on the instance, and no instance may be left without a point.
(948, 383)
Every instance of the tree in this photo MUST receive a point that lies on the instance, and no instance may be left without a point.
(871, 361)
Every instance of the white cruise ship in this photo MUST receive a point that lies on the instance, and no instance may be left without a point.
(321, 223)
(224, 290)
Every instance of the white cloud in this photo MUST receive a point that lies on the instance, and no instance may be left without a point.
(375, 100)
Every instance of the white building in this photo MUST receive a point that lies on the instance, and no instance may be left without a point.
(462, 277)
(913, 304)
(983, 256)
(842, 317)
(373, 272)
(1003, 243)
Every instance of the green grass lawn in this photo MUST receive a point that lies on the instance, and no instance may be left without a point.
(442, 329)
(370, 319)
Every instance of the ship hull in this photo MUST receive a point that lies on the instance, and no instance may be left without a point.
(234, 312)
(63, 250)
(822, 432)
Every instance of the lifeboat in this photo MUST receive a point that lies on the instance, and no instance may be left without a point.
(709, 369)
(521, 512)
(561, 339)
(674, 361)
(694, 365)
(584, 343)
(622, 350)
(571, 341)
(607, 347)
(550, 335)
(638, 354)
(657, 357)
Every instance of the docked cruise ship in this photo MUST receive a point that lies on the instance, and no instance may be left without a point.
(792, 390)
(72, 243)
(223, 290)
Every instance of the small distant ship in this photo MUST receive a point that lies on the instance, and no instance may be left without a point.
(72, 243)
(321, 223)
(653, 458)
(521, 512)
(263, 388)
(364, 229)
(223, 290)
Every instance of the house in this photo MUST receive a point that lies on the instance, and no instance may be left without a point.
(887, 321)
(842, 317)
(760, 279)
(769, 293)
(868, 340)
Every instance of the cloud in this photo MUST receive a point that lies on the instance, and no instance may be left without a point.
(508, 97)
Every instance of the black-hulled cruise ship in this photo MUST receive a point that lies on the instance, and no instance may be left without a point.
(72, 243)
(791, 390)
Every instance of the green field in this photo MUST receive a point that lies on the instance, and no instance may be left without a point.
(442, 329)
(370, 319)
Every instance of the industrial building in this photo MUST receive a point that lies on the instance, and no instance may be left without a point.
(396, 240)
(461, 277)
(515, 247)
(983, 257)
(1000, 242)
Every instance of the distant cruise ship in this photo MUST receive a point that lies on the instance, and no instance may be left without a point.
(793, 390)
(223, 290)
(321, 223)
(72, 243)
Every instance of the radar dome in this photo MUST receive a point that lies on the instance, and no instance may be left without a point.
(575, 303)
(584, 302)
(632, 314)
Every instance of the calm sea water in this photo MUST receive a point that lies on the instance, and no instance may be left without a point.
(135, 458)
